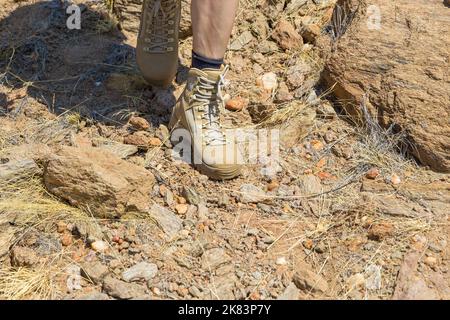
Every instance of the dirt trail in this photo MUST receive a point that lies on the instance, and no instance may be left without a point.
(348, 213)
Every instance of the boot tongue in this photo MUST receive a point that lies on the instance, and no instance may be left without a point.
(210, 74)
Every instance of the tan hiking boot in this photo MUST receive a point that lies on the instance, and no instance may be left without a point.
(198, 112)
(157, 46)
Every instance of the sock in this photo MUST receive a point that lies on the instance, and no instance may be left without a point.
(200, 62)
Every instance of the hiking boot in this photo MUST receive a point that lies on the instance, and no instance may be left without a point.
(157, 45)
(198, 112)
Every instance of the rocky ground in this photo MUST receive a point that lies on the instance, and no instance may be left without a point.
(92, 206)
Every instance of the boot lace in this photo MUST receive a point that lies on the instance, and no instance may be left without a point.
(208, 99)
(160, 27)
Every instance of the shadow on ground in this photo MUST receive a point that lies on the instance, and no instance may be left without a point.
(90, 71)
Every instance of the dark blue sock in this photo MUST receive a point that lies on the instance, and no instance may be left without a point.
(200, 62)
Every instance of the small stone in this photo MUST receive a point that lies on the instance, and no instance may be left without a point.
(168, 197)
(191, 195)
(290, 293)
(169, 222)
(310, 32)
(267, 46)
(273, 185)
(236, 104)
(202, 211)
(139, 123)
(195, 292)
(373, 277)
(141, 271)
(122, 290)
(61, 226)
(268, 81)
(251, 194)
(181, 200)
(380, 231)
(140, 139)
(329, 136)
(431, 262)
(310, 184)
(283, 93)
(181, 208)
(325, 110)
(214, 258)
(308, 280)
(317, 145)
(242, 40)
(372, 173)
(164, 135)
(94, 271)
(281, 261)
(99, 246)
(395, 179)
(156, 291)
(154, 142)
(182, 292)
(286, 36)
(296, 74)
(66, 239)
(308, 244)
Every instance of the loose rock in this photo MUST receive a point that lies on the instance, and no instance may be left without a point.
(98, 180)
(141, 271)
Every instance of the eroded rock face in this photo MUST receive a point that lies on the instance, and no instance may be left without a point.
(99, 181)
(400, 70)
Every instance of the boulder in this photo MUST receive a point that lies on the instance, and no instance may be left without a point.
(398, 68)
(98, 181)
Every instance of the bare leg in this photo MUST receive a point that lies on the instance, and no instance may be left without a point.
(212, 22)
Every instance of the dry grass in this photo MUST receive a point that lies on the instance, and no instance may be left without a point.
(25, 283)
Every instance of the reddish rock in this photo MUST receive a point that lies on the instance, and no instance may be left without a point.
(139, 123)
(380, 231)
(286, 36)
(398, 71)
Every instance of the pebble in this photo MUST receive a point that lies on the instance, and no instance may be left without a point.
(281, 261)
(372, 173)
(395, 179)
(268, 81)
(94, 271)
(214, 258)
(122, 290)
(99, 246)
(139, 123)
(181, 208)
(141, 271)
(290, 293)
(202, 212)
(191, 195)
(61, 226)
(236, 104)
(195, 292)
(431, 262)
(307, 280)
(251, 194)
(66, 239)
